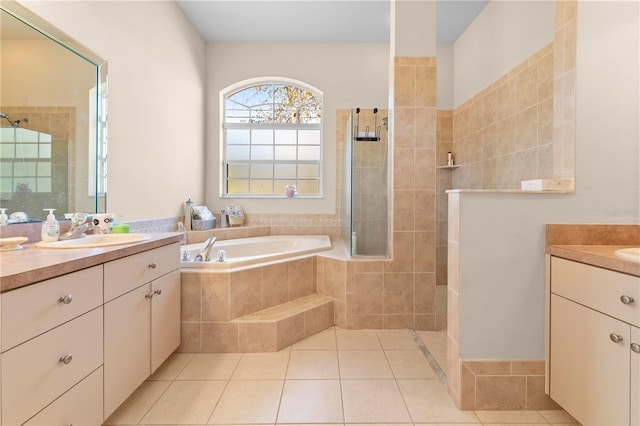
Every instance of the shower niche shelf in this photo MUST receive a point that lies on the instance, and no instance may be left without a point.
(448, 167)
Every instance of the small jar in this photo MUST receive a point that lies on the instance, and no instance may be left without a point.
(290, 191)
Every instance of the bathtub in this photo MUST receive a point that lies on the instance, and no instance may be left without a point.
(255, 250)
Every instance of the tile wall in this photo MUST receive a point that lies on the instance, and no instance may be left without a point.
(343, 187)
(564, 88)
(504, 134)
(413, 264)
(504, 385)
(471, 383)
(522, 126)
(260, 309)
(444, 144)
(453, 300)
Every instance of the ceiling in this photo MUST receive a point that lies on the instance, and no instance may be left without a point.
(315, 21)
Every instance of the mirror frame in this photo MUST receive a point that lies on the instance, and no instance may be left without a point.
(99, 169)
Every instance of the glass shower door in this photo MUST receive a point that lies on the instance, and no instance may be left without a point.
(369, 187)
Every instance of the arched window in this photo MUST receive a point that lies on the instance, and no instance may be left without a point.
(272, 137)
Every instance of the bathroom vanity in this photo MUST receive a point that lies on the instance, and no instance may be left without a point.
(81, 329)
(593, 332)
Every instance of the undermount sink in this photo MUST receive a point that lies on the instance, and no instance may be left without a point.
(96, 240)
(632, 254)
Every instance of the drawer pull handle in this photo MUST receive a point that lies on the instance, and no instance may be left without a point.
(158, 291)
(627, 300)
(149, 295)
(66, 299)
(635, 347)
(152, 265)
(615, 338)
(66, 359)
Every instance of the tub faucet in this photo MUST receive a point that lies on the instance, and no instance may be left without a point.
(80, 223)
(205, 253)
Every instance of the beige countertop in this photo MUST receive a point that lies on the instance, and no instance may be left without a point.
(594, 244)
(27, 266)
(596, 255)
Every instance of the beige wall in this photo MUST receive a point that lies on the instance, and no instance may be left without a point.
(444, 79)
(413, 28)
(348, 75)
(156, 99)
(503, 35)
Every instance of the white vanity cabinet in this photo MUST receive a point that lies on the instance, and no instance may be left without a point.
(635, 376)
(142, 319)
(52, 344)
(593, 322)
(77, 406)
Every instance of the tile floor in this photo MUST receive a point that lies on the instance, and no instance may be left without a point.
(335, 377)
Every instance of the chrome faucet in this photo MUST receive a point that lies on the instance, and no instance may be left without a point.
(205, 253)
(80, 223)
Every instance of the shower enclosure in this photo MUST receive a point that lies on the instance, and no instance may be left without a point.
(366, 192)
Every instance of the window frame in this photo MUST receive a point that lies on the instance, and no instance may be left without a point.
(224, 126)
(37, 142)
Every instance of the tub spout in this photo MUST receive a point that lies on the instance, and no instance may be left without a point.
(205, 253)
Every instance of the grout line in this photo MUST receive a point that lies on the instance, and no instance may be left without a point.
(226, 385)
(395, 379)
(146, 413)
(335, 337)
(442, 376)
(284, 382)
(171, 381)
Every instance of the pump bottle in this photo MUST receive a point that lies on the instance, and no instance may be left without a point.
(50, 228)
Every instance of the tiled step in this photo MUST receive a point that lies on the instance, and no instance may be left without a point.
(280, 326)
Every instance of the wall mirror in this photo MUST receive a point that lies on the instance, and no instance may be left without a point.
(52, 119)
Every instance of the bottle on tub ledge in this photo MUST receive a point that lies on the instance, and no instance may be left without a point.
(223, 218)
(235, 215)
(188, 209)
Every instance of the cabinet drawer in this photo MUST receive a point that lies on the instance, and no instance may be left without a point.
(33, 374)
(80, 405)
(35, 309)
(598, 288)
(123, 275)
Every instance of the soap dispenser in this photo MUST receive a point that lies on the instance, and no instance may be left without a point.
(3, 217)
(50, 228)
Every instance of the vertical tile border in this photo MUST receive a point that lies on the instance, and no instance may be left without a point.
(564, 88)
